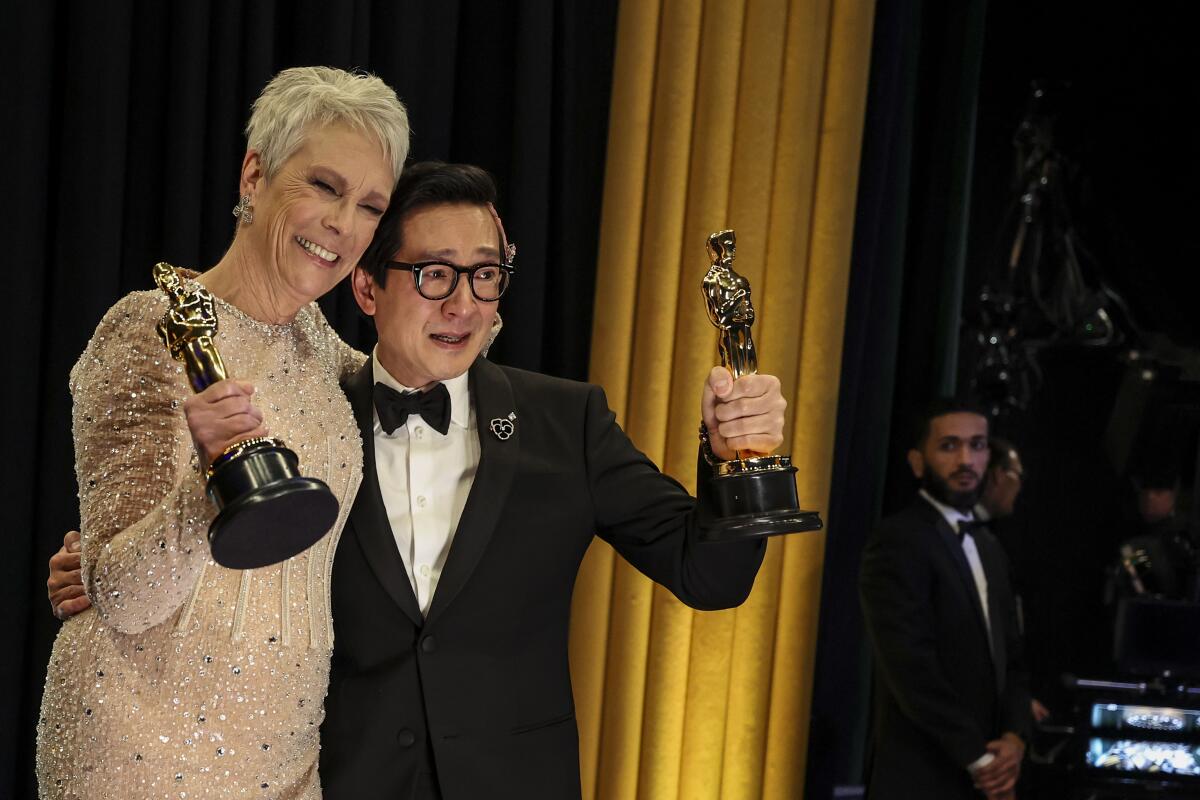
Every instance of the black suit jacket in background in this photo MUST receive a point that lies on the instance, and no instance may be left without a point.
(941, 690)
(481, 687)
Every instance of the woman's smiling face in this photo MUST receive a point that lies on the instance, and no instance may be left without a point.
(314, 218)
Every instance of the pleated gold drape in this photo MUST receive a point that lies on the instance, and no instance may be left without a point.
(726, 113)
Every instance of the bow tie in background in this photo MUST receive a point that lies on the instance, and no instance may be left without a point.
(966, 526)
(394, 407)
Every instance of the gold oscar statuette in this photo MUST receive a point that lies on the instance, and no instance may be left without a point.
(267, 511)
(754, 494)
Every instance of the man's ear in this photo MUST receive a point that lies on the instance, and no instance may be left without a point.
(497, 324)
(364, 290)
(916, 462)
(252, 173)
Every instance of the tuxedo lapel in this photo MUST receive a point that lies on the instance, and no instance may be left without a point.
(492, 399)
(949, 539)
(993, 570)
(368, 518)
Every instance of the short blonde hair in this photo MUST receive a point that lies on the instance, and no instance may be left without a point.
(298, 97)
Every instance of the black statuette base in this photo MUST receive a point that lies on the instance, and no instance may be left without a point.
(268, 511)
(754, 504)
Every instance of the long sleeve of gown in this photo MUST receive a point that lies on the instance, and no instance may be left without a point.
(143, 511)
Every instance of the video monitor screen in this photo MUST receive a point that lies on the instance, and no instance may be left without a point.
(1160, 719)
(1128, 755)
(1154, 636)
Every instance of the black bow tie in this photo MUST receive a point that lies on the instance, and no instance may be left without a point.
(966, 526)
(394, 407)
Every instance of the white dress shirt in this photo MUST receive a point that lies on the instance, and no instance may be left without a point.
(425, 477)
(953, 516)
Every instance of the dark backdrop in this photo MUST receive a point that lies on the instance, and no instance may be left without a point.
(948, 86)
(902, 316)
(121, 148)
(1121, 83)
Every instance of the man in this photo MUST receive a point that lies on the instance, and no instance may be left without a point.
(951, 705)
(997, 502)
(1005, 476)
(1002, 484)
(1160, 559)
(482, 489)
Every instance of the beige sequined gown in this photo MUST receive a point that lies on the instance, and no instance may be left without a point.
(186, 679)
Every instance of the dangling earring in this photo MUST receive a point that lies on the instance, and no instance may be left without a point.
(497, 324)
(243, 210)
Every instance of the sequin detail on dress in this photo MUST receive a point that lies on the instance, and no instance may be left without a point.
(186, 679)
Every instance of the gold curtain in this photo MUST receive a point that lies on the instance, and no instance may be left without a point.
(727, 113)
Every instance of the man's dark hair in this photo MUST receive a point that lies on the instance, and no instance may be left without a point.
(1002, 450)
(424, 184)
(939, 407)
(1155, 476)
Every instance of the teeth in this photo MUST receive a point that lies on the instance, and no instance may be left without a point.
(317, 250)
(450, 339)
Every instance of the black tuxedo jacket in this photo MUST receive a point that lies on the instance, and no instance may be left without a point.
(481, 686)
(942, 690)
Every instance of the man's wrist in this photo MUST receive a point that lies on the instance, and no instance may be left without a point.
(706, 446)
(1014, 741)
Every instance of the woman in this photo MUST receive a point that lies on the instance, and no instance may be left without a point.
(187, 679)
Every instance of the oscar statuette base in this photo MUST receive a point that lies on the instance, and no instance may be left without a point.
(268, 511)
(753, 498)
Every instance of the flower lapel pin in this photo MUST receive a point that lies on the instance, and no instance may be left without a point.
(504, 427)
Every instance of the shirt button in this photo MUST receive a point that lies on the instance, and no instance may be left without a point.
(420, 501)
(419, 432)
(424, 570)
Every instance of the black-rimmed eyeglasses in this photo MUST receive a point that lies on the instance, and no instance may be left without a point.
(437, 280)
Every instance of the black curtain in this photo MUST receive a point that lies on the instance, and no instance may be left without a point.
(122, 147)
(902, 320)
(1115, 83)
(837, 727)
